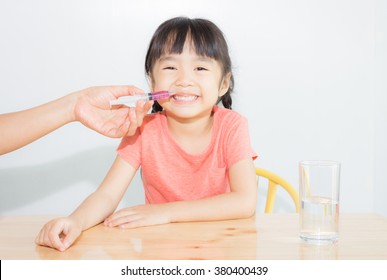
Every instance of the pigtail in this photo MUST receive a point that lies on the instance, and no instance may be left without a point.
(226, 98)
(227, 101)
(156, 107)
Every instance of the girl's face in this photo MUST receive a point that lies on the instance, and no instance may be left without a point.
(196, 81)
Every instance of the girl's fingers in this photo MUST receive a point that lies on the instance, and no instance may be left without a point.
(121, 213)
(133, 224)
(54, 236)
(70, 237)
(122, 217)
(58, 234)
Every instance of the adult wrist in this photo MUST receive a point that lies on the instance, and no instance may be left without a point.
(71, 105)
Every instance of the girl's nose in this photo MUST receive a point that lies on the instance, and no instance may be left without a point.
(184, 78)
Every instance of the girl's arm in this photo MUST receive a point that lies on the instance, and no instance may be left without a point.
(61, 233)
(239, 203)
(106, 198)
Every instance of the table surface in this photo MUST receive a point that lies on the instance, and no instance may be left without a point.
(264, 236)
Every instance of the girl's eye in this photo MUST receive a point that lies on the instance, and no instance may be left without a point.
(201, 69)
(169, 68)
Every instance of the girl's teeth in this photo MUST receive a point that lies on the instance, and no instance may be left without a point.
(184, 97)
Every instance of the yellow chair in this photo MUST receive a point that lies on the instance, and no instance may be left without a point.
(273, 182)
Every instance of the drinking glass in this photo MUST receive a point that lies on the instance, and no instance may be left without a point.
(319, 199)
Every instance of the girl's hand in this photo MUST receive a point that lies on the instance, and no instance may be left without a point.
(59, 234)
(139, 216)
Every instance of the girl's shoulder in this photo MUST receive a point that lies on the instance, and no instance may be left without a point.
(224, 115)
(154, 119)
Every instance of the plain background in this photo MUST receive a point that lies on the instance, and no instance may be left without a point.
(310, 77)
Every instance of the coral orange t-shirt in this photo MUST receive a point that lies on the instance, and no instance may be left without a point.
(171, 174)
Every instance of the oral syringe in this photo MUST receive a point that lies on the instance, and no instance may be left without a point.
(131, 100)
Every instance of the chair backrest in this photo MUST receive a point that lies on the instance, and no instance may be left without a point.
(274, 181)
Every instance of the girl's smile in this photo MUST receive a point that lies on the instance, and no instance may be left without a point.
(184, 98)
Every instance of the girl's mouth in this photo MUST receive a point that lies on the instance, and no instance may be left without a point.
(184, 98)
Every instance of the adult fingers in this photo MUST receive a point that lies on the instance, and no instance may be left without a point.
(125, 90)
(142, 109)
(132, 122)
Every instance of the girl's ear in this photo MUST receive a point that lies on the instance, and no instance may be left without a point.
(225, 84)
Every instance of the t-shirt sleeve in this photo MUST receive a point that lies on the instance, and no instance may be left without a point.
(130, 149)
(238, 142)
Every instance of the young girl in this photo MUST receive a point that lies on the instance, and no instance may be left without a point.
(196, 158)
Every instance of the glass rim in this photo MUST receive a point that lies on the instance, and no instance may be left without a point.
(319, 162)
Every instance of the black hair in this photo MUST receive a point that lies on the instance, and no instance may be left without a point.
(207, 39)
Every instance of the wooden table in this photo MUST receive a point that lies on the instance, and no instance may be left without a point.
(265, 236)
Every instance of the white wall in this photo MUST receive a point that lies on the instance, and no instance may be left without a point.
(380, 196)
(309, 76)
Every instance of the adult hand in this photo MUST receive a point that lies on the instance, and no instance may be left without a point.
(92, 108)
